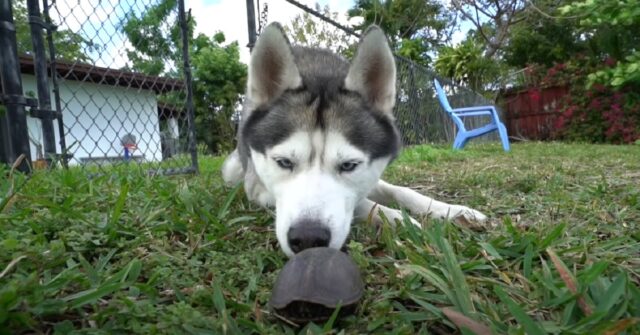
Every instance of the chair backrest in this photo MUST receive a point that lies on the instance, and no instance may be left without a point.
(442, 97)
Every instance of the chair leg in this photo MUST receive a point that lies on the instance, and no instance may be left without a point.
(460, 141)
(455, 143)
(504, 137)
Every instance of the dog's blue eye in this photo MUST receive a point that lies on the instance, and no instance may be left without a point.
(285, 163)
(348, 166)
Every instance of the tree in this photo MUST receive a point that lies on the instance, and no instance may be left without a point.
(415, 27)
(543, 37)
(611, 28)
(466, 65)
(492, 18)
(69, 46)
(309, 31)
(156, 39)
(219, 78)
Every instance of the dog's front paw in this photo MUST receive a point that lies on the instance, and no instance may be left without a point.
(468, 217)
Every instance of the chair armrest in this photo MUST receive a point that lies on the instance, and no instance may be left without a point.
(474, 109)
(478, 113)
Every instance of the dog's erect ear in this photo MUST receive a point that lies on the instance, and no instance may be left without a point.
(272, 68)
(373, 70)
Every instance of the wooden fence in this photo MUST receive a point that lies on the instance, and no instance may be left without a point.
(531, 113)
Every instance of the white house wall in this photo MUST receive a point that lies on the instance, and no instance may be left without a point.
(97, 116)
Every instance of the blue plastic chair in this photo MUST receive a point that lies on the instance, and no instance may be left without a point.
(465, 135)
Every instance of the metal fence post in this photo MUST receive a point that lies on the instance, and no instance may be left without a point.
(13, 99)
(188, 82)
(44, 112)
(251, 24)
(54, 81)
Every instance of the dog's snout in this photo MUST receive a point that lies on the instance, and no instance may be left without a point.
(308, 234)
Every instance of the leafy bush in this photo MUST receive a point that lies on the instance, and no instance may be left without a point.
(595, 113)
(617, 24)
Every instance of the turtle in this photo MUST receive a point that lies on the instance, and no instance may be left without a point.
(314, 282)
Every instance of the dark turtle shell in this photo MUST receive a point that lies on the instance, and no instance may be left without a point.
(314, 282)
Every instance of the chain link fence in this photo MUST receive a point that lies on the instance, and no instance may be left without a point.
(418, 112)
(93, 83)
(115, 76)
(419, 116)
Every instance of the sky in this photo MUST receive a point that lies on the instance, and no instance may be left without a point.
(98, 20)
(230, 16)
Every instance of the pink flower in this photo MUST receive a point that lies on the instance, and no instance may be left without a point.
(617, 96)
(569, 112)
(610, 61)
(598, 87)
(534, 95)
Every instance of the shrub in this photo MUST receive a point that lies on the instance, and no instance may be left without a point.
(594, 113)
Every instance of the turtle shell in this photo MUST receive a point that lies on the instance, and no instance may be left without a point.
(314, 282)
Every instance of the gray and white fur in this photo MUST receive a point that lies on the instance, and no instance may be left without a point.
(315, 136)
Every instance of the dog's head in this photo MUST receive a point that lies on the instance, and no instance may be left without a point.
(319, 132)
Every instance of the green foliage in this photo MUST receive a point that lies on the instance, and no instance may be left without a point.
(603, 31)
(308, 31)
(614, 27)
(414, 27)
(70, 46)
(466, 64)
(626, 71)
(219, 78)
(542, 40)
(155, 37)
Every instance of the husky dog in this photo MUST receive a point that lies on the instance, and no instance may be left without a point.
(315, 136)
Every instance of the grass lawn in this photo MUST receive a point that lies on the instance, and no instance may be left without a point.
(125, 253)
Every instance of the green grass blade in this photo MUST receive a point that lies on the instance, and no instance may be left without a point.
(91, 295)
(103, 261)
(94, 278)
(530, 326)
(224, 211)
(490, 249)
(613, 294)
(218, 298)
(458, 282)
(119, 205)
(592, 273)
(552, 236)
(134, 268)
(526, 263)
(433, 279)
(334, 316)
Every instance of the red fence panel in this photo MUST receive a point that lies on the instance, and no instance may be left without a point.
(531, 113)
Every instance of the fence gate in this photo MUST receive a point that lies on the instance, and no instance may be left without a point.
(13, 120)
(114, 76)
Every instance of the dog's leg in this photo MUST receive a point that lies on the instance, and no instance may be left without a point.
(232, 171)
(368, 208)
(418, 204)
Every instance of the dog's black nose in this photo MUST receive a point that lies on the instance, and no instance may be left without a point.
(308, 234)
